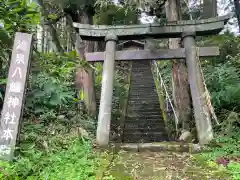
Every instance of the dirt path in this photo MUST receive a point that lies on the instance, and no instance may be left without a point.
(160, 166)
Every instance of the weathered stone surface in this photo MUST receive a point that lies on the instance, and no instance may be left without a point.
(144, 121)
(105, 108)
(158, 54)
(129, 147)
(144, 138)
(169, 30)
(161, 147)
(10, 122)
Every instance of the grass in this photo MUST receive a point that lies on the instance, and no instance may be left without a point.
(66, 156)
(224, 154)
(59, 156)
(75, 162)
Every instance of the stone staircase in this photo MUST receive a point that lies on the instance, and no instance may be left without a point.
(144, 122)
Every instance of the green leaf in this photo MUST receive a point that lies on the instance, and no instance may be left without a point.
(52, 16)
(55, 100)
(3, 81)
(38, 110)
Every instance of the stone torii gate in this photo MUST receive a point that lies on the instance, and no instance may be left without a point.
(186, 30)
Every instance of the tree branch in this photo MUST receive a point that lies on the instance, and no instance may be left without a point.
(54, 21)
(52, 30)
(79, 44)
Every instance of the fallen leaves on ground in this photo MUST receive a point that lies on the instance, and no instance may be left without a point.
(161, 166)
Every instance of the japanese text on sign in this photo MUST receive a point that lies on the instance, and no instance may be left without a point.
(11, 112)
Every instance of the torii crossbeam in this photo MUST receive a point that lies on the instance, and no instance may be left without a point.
(201, 27)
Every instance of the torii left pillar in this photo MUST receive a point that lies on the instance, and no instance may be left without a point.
(104, 117)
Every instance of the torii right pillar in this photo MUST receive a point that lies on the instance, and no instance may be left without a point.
(202, 119)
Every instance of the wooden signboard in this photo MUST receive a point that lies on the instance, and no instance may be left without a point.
(14, 97)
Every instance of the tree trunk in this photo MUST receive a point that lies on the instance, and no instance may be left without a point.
(85, 75)
(209, 11)
(55, 39)
(51, 29)
(181, 91)
(209, 8)
(237, 10)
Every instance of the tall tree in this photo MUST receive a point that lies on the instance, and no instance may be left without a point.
(81, 12)
(237, 11)
(84, 15)
(181, 91)
(209, 8)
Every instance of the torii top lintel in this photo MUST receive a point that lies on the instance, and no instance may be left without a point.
(175, 29)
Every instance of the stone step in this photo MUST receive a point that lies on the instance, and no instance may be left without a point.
(141, 67)
(135, 106)
(143, 129)
(140, 96)
(147, 87)
(146, 116)
(143, 85)
(143, 78)
(144, 120)
(140, 106)
(142, 110)
(135, 101)
(147, 113)
(144, 124)
(141, 100)
(141, 70)
(144, 134)
(145, 92)
(137, 89)
(146, 102)
(146, 78)
(144, 138)
(148, 110)
(138, 100)
(136, 113)
(141, 64)
(142, 116)
(161, 147)
(136, 125)
(143, 73)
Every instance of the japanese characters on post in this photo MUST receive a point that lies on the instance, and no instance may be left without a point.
(14, 96)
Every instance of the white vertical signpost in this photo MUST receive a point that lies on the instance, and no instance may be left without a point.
(14, 96)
